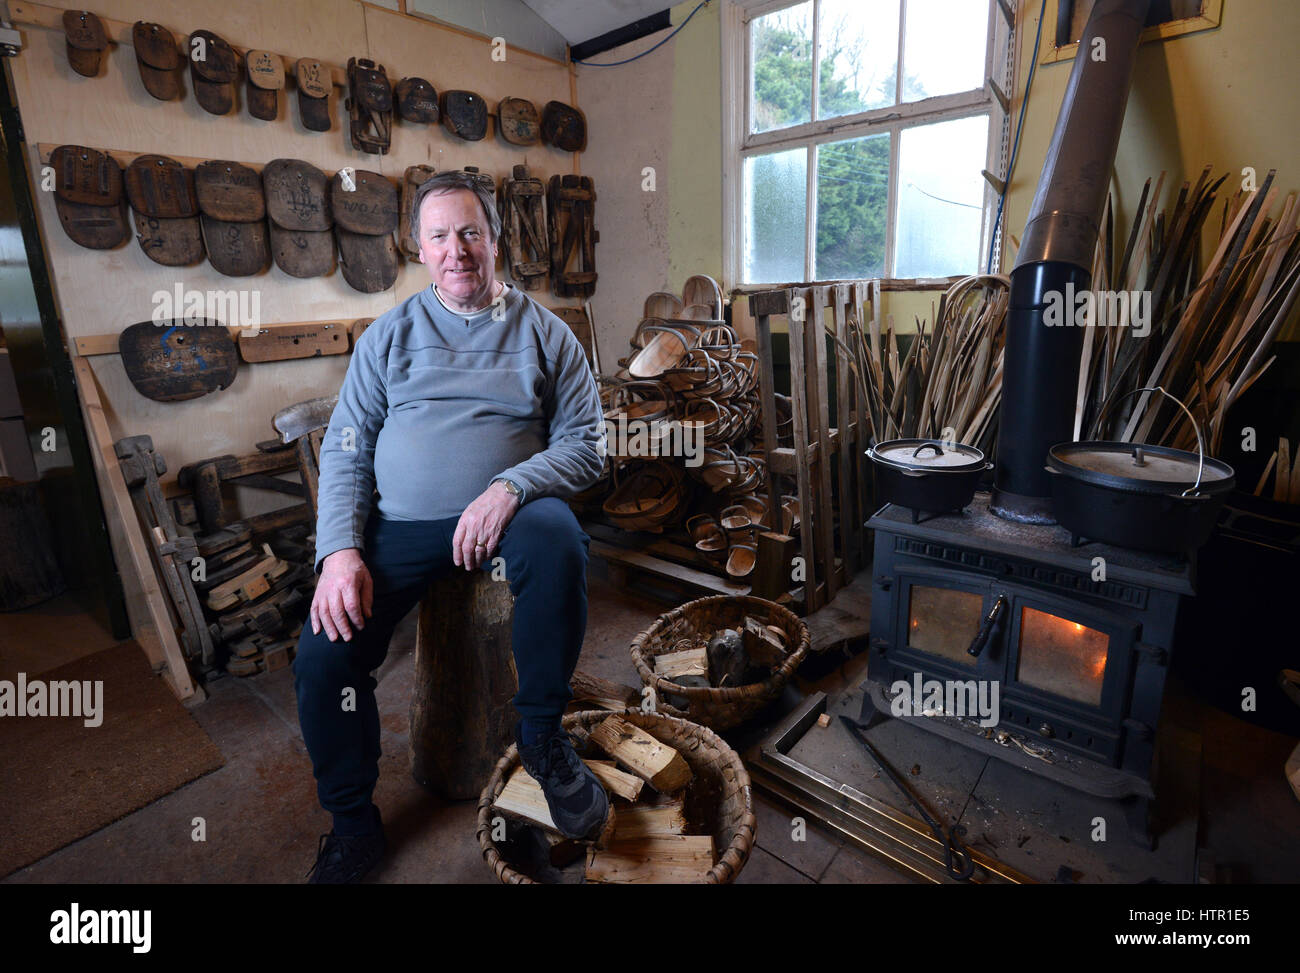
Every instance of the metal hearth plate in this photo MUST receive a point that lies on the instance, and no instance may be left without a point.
(868, 822)
(1021, 828)
(1066, 768)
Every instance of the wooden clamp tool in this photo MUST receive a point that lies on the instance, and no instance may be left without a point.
(523, 217)
(141, 467)
(205, 478)
(571, 202)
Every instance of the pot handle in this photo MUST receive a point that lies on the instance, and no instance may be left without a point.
(1195, 489)
(935, 446)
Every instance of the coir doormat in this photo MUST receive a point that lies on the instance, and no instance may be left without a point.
(88, 743)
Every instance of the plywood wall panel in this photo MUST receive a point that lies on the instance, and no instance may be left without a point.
(100, 292)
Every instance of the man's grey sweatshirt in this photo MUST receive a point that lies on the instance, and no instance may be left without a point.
(435, 406)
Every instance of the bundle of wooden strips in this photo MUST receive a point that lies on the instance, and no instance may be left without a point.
(1284, 467)
(948, 383)
(1209, 331)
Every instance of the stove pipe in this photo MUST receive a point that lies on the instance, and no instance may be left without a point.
(1041, 370)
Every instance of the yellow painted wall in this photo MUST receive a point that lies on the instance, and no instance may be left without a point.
(662, 112)
(695, 154)
(1225, 97)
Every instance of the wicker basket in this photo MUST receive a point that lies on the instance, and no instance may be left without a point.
(729, 706)
(719, 799)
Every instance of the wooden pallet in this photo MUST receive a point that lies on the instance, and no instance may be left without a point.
(635, 568)
(808, 461)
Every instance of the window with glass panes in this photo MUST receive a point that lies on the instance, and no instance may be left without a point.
(867, 124)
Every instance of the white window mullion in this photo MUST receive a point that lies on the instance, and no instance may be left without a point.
(898, 70)
(816, 61)
(735, 74)
(895, 134)
(938, 108)
(810, 216)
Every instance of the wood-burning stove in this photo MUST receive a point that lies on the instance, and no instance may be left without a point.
(1076, 642)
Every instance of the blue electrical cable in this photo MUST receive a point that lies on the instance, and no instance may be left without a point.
(1015, 148)
(614, 64)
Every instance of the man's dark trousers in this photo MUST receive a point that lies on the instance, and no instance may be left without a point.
(545, 554)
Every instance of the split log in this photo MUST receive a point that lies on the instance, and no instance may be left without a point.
(668, 859)
(647, 820)
(763, 644)
(522, 798)
(653, 761)
(688, 662)
(615, 781)
(614, 696)
(563, 851)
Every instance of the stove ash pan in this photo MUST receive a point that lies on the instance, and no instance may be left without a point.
(1073, 661)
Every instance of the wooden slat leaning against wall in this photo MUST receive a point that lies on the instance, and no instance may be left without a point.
(151, 622)
(101, 292)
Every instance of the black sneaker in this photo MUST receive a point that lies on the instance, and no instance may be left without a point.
(344, 859)
(578, 803)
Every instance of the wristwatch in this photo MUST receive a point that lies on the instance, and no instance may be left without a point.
(511, 487)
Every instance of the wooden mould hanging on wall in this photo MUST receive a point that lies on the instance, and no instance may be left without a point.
(233, 217)
(464, 114)
(297, 203)
(523, 225)
(412, 180)
(88, 197)
(417, 101)
(370, 106)
(518, 121)
(571, 201)
(313, 94)
(365, 216)
(214, 69)
(179, 359)
(86, 40)
(265, 79)
(158, 58)
(161, 192)
(564, 127)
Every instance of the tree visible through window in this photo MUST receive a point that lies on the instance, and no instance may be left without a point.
(848, 131)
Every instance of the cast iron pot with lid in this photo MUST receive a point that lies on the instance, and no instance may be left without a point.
(1150, 498)
(926, 474)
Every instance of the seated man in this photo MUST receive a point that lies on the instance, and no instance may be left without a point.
(471, 411)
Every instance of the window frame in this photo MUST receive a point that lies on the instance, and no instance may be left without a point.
(740, 144)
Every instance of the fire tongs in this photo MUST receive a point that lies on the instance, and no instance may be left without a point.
(956, 859)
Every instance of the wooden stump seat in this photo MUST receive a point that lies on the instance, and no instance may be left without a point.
(462, 720)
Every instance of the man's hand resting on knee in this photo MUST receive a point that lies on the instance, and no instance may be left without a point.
(344, 592)
(481, 526)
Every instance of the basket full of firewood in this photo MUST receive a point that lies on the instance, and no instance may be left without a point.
(681, 808)
(719, 660)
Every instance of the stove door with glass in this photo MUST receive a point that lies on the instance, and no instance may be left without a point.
(1062, 666)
